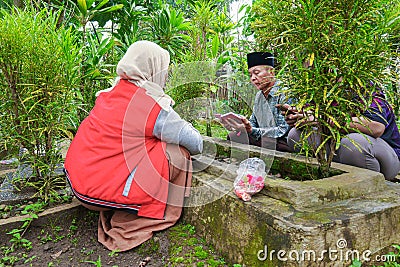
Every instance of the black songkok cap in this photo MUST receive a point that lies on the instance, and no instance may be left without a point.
(260, 58)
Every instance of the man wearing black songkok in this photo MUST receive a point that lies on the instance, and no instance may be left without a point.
(266, 126)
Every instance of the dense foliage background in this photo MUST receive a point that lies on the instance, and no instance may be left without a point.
(329, 53)
(55, 55)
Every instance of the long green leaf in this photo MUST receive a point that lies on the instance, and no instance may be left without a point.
(215, 46)
(82, 7)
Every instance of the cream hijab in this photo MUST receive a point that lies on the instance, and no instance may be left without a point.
(146, 65)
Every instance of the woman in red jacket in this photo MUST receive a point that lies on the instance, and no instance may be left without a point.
(130, 158)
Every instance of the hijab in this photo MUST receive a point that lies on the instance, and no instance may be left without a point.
(146, 65)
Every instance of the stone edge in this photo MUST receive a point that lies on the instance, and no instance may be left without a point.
(75, 204)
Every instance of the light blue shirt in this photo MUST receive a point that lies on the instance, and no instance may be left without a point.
(266, 119)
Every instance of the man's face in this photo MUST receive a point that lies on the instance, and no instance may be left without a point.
(262, 76)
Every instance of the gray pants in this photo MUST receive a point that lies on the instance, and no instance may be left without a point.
(375, 154)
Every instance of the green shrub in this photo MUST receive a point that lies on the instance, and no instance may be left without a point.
(328, 52)
(37, 75)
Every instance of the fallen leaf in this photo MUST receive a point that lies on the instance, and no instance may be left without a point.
(56, 255)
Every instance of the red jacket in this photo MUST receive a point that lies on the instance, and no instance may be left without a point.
(114, 160)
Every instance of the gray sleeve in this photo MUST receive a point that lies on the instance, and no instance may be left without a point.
(170, 128)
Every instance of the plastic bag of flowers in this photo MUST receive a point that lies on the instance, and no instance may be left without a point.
(250, 178)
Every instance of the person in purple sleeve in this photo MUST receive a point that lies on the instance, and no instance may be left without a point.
(379, 139)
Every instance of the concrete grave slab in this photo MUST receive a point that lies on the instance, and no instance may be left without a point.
(326, 222)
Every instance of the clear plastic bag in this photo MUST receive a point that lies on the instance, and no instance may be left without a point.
(250, 178)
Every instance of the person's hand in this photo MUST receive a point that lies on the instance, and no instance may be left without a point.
(247, 125)
(291, 114)
(286, 109)
(226, 125)
(293, 118)
(234, 125)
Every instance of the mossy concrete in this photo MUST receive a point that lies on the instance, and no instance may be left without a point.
(352, 182)
(357, 207)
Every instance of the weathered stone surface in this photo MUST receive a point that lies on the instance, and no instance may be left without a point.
(328, 221)
(353, 182)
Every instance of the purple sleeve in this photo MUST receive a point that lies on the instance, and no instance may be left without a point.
(379, 111)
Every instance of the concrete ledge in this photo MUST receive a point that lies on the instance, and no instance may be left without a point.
(64, 210)
(356, 183)
(353, 182)
(357, 208)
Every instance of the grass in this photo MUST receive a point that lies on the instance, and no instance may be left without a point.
(186, 249)
(217, 130)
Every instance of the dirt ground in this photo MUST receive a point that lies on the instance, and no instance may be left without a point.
(72, 241)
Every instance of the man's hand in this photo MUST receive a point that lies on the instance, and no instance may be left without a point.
(292, 119)
(292, 115)
(247, 125)
(234, 125)
(286, 109)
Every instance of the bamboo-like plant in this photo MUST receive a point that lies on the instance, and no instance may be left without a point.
(168, 28)
(209, 33)
(329, 52)
(127, 24)
(38, 72)
(86, 10)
